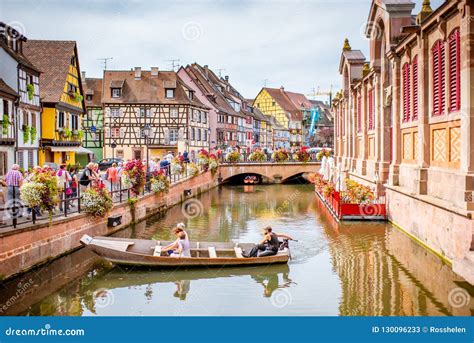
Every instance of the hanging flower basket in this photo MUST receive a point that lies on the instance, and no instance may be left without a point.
(159, 182)
(258, 156)
(233, 156)
(96, 201)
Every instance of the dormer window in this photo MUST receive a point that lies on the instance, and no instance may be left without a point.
(89, 97)
(191, 95)
(116, 92)
(169, 93)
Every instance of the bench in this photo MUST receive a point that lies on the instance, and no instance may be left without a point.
(212, 252)
(238, 252)
(157, 251)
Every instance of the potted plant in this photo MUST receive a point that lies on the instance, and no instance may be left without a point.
(213, 164)
(61, 132)
(192, 169)
(134, 176)
(67, 133)
(233, 156)
(257, 156)
(26, 133)
(5, 124)
(96, 200)
(159, 182)
(32, 134)
(30, 89)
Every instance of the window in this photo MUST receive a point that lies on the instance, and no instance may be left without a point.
(21, 159)
(144, 112)
(169, 93)
(438, 77)
(371, 109)
(115, 112)
(31, 160)
(174, 133)
(3, 163)
(204, 132)
(174, 112)
(60, 119)
(192, 133)
(229, 119)
(191, 95)
(74, 122)
(359, 113)
(198, 134)
(406, 92)
(120, 153)
(89, 97)
(273, 103)
(415, 88)
(198, 116)
(116, 92)
(204, 117)
(454, 71)
(115, 132)
(71, 88)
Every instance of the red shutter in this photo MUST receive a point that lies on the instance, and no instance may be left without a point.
(371, 109)
(406, 92)
(415, 88)
(439, 74)
(359, 114)
(454, 69)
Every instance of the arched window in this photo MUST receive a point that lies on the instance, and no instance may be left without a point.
(454, 61)
(438, 77)
(406, 92)
(414, 69)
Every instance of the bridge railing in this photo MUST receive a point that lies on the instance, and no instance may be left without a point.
(245, 159)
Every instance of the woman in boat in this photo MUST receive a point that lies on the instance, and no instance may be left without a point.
(269, 245)
(180, 247)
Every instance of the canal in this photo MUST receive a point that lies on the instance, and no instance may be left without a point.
(336, 269)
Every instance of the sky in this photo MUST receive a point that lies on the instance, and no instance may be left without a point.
(292, 43)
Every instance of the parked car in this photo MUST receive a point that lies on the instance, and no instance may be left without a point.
(106, 163)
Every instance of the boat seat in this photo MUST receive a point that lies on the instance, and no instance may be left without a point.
(238, 252)
(116, 245)
(212, 252)
(157, 251)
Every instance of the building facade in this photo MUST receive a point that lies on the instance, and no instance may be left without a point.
(403, 121)
(20, 102)
(279, 104)
(62, 99)
(151, 112)
(93, 122)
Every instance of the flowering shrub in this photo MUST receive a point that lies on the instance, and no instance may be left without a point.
(192, 169)
(328, 188)
(356, 193)
(134, 171)
(257, 156)
(203, 157)
(96, 201)
(31, 193)
(280, 155)
(159, 182)
(213, 165)
(233, 156)
(323, 153)
(302, 155)
(176, 168)
(48, 191)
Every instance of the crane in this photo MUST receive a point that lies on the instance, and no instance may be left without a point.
(317, 92)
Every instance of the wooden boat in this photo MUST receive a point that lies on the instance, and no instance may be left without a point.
(142, 252)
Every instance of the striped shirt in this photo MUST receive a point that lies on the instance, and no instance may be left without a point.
(13, 178)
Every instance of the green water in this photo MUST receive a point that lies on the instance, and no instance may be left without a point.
(350, 269)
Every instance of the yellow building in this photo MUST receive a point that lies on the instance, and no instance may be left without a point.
(62, 98)
(286, 108)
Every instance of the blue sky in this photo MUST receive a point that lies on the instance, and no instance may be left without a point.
(294, 43)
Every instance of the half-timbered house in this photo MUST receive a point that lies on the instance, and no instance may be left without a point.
(93, 121)
(20, 105)
(151, 110)
(62, 99)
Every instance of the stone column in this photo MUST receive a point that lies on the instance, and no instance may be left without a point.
(396, 136)
(365, 141)
(424, 140)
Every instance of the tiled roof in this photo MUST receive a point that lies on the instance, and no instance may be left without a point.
(93, 86)
(53, 58)
(20, 58)
(325, 116)
(280, 96)
(7, 89)
(146, 90)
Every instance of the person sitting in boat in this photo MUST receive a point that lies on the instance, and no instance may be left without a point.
(269, 245)
(180, 247)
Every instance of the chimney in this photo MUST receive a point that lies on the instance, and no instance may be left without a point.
(226, 78)
(83, 75)
(138, 73)
(154, 71)
(282, 89)
(206, 71)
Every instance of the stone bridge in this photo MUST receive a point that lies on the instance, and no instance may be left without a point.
(270, 172)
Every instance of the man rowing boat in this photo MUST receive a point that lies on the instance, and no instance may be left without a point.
(269, 245)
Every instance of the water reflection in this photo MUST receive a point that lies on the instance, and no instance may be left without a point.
(336, 269)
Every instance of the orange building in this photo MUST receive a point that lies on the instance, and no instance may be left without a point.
(403, 121)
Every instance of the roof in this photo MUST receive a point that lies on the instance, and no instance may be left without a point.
(352, 56)
(325, 116)
(20, 58)
(53, 58)
(93, 86)
(280, 96)
(208, 83)
(146, 90)
(7, 89)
